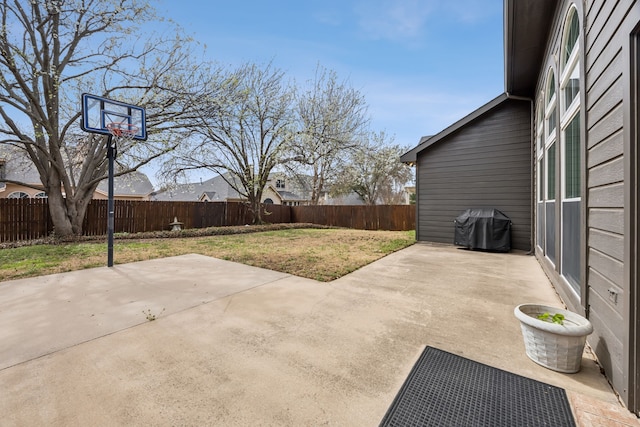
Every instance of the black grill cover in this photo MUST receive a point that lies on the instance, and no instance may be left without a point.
(483, 228)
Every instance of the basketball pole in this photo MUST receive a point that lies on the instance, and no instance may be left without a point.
(111, 154)
(120, 122)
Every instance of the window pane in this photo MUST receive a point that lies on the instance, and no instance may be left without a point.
(551, 122)
(18, 195)
(572, 37)
(552, 88)
(541, 180)
(572, 88)
(551, 172)
(540, 112)
(572, 158)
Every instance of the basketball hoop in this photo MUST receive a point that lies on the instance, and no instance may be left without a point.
(122, 123)
(122, 131)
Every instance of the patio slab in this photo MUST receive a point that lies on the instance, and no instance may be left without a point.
(238, 345)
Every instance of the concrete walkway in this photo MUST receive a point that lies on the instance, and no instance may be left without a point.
(234, 345)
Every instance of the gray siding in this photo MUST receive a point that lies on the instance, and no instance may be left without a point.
(609, 26)
(487, 163)
(604, 58)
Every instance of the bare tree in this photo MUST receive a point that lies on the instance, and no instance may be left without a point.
(331, 117)
(241, 130)
(52, 51)
(374, 172)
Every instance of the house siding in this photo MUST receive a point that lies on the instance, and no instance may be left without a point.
(608, 28)
(606, 290)
(486, 163)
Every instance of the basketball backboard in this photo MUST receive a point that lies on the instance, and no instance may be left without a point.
(99, 113)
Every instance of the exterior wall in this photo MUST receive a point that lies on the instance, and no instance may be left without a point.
(12, 188)
(606, 291)
(270, 193)
(549, 252)
(98, 195)
(487, 163)
(608, 30)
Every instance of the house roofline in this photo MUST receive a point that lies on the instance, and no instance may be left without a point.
(426, 142)
(526, 29)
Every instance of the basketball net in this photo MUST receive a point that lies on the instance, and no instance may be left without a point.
(122, 131)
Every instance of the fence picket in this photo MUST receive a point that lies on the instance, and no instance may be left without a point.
(27, 219)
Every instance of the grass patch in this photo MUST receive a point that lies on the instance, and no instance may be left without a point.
(321, 254)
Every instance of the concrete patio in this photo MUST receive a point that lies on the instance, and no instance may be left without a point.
(234, 345)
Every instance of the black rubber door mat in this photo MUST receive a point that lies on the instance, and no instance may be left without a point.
(444, 389)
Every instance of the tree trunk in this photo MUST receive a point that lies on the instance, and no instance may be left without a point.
(62, 226)
(68, 211)
(67, 214)
(255, 206)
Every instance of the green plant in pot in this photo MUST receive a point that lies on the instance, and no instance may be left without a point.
(553, 337)
(556, 318)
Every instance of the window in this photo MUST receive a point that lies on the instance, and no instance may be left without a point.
(570, 118)
(280, 183)
(570, 86)
(2, 170)
(551, 88)
(18, 195)
(41, 195)
(540, 180)
(572, 158)
(540, 149)
(570, 153)
(571, 35)
(547, 209)
(550, 123)
(551, 105)
(551, 172)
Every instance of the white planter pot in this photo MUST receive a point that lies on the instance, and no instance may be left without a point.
(554, 346)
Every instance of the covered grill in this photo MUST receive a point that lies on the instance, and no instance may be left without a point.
(483, 228)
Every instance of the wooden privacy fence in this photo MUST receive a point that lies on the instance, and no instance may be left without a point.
(24, 219)
(378, 217)
(135, 217)
(28, 219)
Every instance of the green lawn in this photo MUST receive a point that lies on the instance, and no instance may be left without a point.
(321, 254)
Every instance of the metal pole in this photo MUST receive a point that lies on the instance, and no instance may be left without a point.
(111, 154)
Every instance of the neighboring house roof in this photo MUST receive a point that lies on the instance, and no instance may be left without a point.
(289, 196)
(527, 26)
(425, 142)
(131, 184)
(207, 196)
(217, 189)
(351, 199)
(212, 190)
(18, 167)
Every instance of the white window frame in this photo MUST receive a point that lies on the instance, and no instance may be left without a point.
(540, 148)
(550, 136)
(572, 64)
(568, 112)
(550, 108)
(541, 172)
(22, 195)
